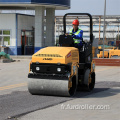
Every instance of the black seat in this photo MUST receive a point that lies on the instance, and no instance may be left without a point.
(66, 40)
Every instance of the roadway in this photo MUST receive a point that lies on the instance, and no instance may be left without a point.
(16, 102)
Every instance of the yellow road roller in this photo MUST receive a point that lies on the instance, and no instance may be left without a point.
(62, 70)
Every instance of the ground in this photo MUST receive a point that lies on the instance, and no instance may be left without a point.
(17, 103)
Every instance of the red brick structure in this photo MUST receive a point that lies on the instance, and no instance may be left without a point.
(107, 62)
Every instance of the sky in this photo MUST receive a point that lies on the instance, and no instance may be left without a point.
(94, 7)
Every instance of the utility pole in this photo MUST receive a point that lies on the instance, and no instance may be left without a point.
(118, 31)
(99, 25)
(104, 26)
(55, 30)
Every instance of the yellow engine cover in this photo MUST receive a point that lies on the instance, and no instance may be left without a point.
(63, 55)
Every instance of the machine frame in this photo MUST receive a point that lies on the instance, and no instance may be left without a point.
(75, 75)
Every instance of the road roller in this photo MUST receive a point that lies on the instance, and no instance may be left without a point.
(63, 70)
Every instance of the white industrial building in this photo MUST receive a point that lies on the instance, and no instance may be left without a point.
(17, 32)
(24, 34)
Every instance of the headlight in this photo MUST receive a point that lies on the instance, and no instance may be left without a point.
(59, 69)
(37, 68)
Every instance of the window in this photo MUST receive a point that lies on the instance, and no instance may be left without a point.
(30, 41)
(29, 37)
(6, 32)
(6, 40)
(4, 37)
(0, 40)
(0, 32)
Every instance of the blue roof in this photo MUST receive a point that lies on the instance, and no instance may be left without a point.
(62, 3)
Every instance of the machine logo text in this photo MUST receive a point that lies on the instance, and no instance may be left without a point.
(47, 59)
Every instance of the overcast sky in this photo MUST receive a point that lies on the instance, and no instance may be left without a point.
(95, 7)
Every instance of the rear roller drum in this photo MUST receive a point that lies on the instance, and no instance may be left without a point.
(89, 81)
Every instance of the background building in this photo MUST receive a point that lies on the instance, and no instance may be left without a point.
(16, 26)
(17, 32)
(112, 27)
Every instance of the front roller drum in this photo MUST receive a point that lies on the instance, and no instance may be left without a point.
(55, 87)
